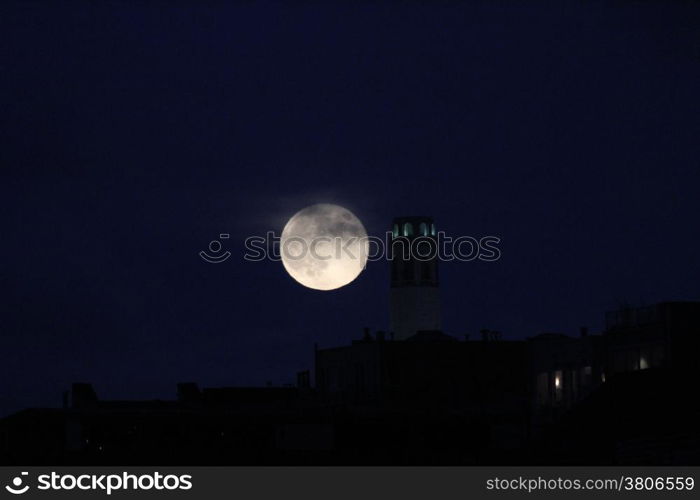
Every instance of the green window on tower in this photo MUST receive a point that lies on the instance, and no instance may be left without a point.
(423, 229)
(396, 230)
(432, 229)
(408, 229)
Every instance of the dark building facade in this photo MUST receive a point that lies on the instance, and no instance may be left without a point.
(622, 397)
(664, 334)
(563, 371)
(478, 383)
(429, 370)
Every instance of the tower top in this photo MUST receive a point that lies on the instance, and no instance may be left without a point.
(413, 225)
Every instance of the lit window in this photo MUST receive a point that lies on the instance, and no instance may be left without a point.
(645, 358)
(432, 229)
(408, 229)
(558, 382)
(602, 377)
(396, 230)
(423, 229)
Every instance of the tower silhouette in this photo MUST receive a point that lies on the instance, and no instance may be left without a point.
(415, 293)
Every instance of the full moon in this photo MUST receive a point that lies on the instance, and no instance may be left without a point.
(324, 246)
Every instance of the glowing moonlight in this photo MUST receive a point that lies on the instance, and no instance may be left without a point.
(324, 246)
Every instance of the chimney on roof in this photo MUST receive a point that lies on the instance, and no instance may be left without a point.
(82, 395)
(187, 392)
(304, 379)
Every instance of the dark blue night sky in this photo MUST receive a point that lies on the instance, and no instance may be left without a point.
(133, 133)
